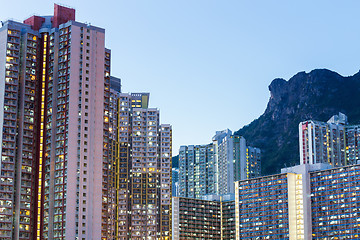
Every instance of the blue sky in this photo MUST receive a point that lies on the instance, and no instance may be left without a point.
(207, 64)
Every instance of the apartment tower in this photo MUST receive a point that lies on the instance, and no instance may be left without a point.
(211, 169)
(55, 83)
(142, 168)
(196, 171)
(333, 142)
(224, 159)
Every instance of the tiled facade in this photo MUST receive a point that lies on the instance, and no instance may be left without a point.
(335, 203)
(262, 208)
(228, 230)
(304, 202)
(196, 219)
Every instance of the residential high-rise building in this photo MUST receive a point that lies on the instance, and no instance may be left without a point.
(79, 159)
(247, 160)
(253, 162)
(20, 52)
(352, 139)
(212, 217)
(240, 155)
(224, 162)
(228, 220)
(175, 182)
(308, 201)
(262, 208)
(234, 161)
(212, 169)
(57, 170)
(141, 169)
(196, 171)
(335, 203)
(322, 142)
(196, 219)
(333, 142)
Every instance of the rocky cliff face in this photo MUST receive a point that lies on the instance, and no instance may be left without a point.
(317, 95)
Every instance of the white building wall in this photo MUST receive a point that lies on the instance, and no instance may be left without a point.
(224, 157)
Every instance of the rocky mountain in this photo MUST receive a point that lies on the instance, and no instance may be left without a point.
(317, 95)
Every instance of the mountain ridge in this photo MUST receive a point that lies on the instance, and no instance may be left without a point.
(316, 95)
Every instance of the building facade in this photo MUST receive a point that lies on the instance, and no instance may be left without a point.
(224, 162)
(196, 171)
(253, 162)
(228, 230)
(54, 153)
(335, 198)
(142, 169)
(333, 142)
(79, 159)
(213, 168)
(212, 217)
(175, 182)
(352, 140)
(247, 159)
(18, 120)
(308, 201)
(262, 208)
(196, 219)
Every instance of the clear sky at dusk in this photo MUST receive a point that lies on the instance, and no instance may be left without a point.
(207, 64)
